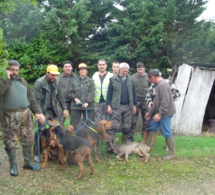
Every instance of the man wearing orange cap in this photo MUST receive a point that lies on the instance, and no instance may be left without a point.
(49, 94)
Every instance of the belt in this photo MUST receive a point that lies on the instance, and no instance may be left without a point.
(19, 110)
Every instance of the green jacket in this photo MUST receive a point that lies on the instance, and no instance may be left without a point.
(84, 92)
(41, 93)
(116, 93)
(5, 85)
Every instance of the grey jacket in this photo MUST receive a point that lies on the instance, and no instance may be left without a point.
(41, 93)
(163, 102)
(84, 92)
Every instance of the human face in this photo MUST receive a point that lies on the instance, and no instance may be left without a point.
(115, 68)
(102, 66)
(67, 69)
(123, 72)
(83, 72)
(51, 77)
(152, 79)
(14, 71)
(141, 71)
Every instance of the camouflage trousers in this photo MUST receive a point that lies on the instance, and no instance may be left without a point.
(121, 117)
(17, 126)
(141, 107)
(101, 112)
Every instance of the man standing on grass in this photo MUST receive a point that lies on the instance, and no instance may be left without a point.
(101, 81)
(162, 110)
(66, 79)
(141, 85)
(16, 104)
(121, 102)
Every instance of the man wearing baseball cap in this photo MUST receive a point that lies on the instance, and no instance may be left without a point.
(48, 94)
(161, 112)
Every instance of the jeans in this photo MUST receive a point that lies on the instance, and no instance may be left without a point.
(164, 123)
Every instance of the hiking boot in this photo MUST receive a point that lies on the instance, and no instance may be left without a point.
(12, 160)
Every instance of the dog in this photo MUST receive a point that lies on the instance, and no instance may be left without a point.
(94, 133)
(131, 147)
(45, 139)
(72, 145)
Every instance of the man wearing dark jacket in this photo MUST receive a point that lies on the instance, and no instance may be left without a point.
(16, 104)
(48, 94)
(121, 102)
(162, 110)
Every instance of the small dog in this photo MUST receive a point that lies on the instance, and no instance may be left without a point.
(93, 133)
(72, 144)
(128, 148)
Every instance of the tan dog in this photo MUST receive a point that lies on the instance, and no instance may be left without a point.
(131, 147)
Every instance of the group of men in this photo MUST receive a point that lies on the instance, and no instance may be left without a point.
(118, 96)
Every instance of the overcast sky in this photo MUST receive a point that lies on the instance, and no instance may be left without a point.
(209, 13)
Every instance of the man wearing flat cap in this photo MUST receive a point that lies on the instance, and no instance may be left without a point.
(48, 94)
(16, 106)
(162, 110)
(121, 102)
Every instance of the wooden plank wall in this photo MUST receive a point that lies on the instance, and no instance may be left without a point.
(189, 120)
(182, 83)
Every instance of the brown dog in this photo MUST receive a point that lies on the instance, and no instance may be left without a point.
(94, 133)
(71, 145)
(45, 139)
(131, 147)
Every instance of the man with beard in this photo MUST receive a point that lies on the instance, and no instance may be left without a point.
(48, 94)
(16, 104)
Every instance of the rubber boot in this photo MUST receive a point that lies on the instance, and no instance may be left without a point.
(171, 146)
(12, 160)
(26, 150)
(151, 139)
(145, 136)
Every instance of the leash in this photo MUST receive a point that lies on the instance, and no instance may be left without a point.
(85, 123)
(38, 143)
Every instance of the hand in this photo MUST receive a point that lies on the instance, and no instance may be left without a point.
(41, 118)
(85, 105)
(147, 116)
(77, 101)
(109, 109)
(157, 117)
(65, 113)
(150, 104)
(8, 74)
(134, 110)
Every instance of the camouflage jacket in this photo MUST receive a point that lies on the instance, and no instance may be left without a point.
(5, 86)
(152, 93)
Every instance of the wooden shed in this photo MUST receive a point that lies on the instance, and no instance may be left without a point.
(195, 109)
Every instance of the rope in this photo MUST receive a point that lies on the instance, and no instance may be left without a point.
(38, 145)
(85, 123)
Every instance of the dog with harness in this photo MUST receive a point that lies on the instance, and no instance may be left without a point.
(69, 145)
